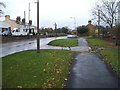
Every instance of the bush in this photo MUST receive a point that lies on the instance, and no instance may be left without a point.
(82, 30)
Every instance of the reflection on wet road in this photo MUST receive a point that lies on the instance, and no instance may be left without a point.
(12, 47)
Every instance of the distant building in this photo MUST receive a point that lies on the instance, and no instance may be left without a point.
(92, 28)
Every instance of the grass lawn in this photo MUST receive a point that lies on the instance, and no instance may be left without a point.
(111, 56)
(27, 69)
(98, 42)
(64, 42)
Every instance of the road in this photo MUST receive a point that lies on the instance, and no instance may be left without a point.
(21, 45)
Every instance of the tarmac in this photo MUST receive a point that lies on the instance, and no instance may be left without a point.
(90, 71)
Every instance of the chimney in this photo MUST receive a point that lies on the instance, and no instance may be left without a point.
(18, 19)
(23, 21)
(7, 17)
(89, 22)
(30, 22)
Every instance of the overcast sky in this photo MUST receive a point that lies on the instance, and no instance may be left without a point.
(52, 11)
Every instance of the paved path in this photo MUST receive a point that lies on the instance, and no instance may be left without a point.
(90, 71)
(82, 46)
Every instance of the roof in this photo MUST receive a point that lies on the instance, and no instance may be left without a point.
(20, 22)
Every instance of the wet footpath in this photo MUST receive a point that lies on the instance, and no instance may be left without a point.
(90, 71)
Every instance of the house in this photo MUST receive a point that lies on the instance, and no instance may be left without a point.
(74, 32)
(92, 28)
(20, 24)
(13, 23)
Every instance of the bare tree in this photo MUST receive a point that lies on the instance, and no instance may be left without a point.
(1, 11)
(106, 11)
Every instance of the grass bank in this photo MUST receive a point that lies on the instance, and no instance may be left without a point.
(27, 69)
(64, 42)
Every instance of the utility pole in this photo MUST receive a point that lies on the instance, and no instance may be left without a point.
(38, 32)
(25, 19)
(29, 18)
(56, 28)
(29, 13)
(74, 21)
(98, 21)
(25, 15)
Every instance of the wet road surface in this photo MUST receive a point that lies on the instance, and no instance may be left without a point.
(89, 71)
(21, 45)
(13, 47)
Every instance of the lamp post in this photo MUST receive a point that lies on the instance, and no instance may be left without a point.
(38, 40)
(56, 28)
(74, 21)
(29, 16)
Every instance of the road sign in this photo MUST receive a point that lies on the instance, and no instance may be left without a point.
(96, 30)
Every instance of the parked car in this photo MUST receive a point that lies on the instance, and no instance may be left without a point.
(6, 33)
(20, 32)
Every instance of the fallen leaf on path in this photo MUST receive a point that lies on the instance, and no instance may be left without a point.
(48, 80)
(34, 76)
(44, 69)
(65, 79)
(19, 87)
(49, 85)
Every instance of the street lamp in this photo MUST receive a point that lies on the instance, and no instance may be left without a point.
(56, 28)
(74, 21)
(29, 16)
(38, 39)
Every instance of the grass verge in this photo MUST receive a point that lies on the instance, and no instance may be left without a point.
(27, 69)
(98, 42)
(64, 42)
(110, 55)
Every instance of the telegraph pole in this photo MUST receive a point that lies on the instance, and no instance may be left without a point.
(29, 13)
(29, 18)
(98, 22)
(38, 32)
(74, 21)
